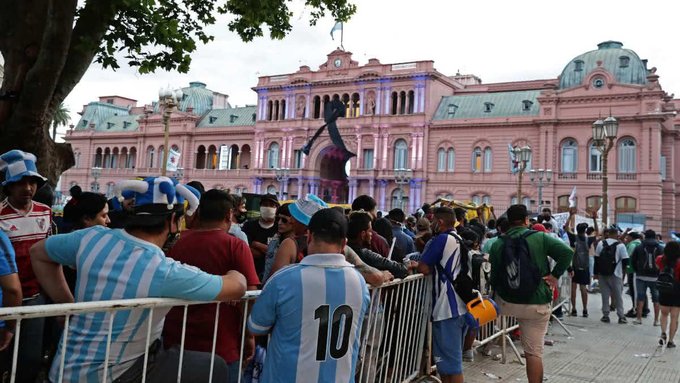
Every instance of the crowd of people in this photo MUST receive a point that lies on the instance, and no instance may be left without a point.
(312, 263)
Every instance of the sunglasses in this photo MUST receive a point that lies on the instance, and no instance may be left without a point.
(283, 219)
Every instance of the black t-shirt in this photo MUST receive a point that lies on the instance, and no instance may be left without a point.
(257, 233)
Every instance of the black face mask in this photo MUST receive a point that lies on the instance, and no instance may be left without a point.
(241, 218)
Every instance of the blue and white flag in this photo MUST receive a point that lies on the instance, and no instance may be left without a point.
(173, 160)
(336, 27)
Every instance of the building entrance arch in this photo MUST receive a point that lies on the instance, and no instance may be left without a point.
(333, 183)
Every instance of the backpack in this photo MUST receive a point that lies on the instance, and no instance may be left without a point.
(521, 275)
(666, 283)
(606, 261)
(463, 284)
(646, 261)
(581, 254)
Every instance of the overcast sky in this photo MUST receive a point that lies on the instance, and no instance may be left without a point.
(497, 40)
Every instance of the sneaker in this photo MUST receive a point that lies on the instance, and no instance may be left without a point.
(662, 339)
(585, 313)
(670, 345)
(631, 314)
(469, 356)
(622, 321)
(574, 313)
(605, 319)
(656, 323)
(637, 321)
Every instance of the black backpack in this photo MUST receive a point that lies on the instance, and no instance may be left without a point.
(666, 283)
(581, 253)
(521, 275)
(606, 262)
(646, 261)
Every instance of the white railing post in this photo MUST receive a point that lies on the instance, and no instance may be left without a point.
(181, 344)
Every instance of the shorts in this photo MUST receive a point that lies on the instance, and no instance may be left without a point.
(533, 324)
(581, 277)
(447, 342)
(641, 290)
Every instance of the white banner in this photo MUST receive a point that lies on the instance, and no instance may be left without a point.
(173, 160)
(225, 157)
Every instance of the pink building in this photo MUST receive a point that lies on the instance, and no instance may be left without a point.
(452, 132)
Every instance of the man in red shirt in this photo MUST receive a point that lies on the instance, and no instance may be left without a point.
(25, 222)
(209, 247)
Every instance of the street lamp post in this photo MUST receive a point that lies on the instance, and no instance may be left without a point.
(402, 177)
(604, 134)
(282, 175)
(540, 178)
(168, 100)
(96, 173)
(522, 156)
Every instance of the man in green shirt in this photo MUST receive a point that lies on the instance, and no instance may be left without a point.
(532, 310)
(633, 239)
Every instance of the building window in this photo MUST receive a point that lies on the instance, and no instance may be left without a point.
(563, 203)
(451, 110)
(593, 202)
(486, 199)
(109, 125)
(450, 160)
(317, 107)
(212, 119)
(441, 160)
(297, 159)
(400, 154)
(76, 156)
(399, 199)
(477, 200)
(212, 157)
(626, 205)
(126, 124)
(132, 158)
(488, 107)
(578, 66)
(627, 156)
(662, 167)
(526, 105)
(488, 159)
(273, 156)
(368, 158)
(271, 189)
(477, 160)
(624, 61)
(569, 156)
(161, 155)
(411, 102)
(526, 201)
(594, 159)
(109, 189)
(395, 98)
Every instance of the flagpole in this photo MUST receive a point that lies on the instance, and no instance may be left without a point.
(342, 32)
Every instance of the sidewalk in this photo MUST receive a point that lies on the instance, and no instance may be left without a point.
(598, 352)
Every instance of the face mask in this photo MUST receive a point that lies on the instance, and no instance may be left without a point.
(241, 218)
(268, 213)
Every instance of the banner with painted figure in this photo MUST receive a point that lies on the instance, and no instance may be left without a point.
(173, 160)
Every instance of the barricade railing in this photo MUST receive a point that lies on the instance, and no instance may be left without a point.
(393, 337)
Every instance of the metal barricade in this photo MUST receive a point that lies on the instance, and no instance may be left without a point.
(393, 334)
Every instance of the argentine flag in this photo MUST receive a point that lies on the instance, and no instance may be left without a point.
(336, 27)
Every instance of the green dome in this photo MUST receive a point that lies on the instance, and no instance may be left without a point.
(624, 64)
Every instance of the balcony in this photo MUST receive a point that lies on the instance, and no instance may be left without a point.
(594, 176)
(567, 176)
(626, 176)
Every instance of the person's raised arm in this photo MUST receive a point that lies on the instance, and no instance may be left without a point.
(50, 274)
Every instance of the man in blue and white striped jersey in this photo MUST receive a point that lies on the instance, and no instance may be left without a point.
(314, 310)
(124, 264)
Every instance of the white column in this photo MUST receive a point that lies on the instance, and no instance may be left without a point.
(362, 97)
(421, 107)
(376, 139)
(385, 165)
(378, 101)
(309, 97)
(387, 100)
(359, 151)
(371, 186)
(414, 150)
(416, 99)
(383, 186)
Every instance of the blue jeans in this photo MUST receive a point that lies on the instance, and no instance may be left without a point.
(641, 287)
(30, 355)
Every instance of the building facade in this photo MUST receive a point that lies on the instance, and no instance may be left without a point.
(453, 133)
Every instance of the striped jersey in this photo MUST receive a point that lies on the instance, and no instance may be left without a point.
(314, 310)
(24, 230)
(444, 250)
(112, 264)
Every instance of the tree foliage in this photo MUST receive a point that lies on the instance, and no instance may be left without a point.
(48, 45)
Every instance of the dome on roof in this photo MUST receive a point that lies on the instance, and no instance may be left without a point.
(624, 64)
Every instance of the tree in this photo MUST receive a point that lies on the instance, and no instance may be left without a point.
(61, 118)
(48, 45)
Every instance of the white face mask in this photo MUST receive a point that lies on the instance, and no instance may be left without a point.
(267, 213)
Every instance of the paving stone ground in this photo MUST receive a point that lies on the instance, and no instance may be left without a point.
(597, 352)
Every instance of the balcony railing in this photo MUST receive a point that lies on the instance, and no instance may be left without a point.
(626, 176)
(594, 176)
(567, 176)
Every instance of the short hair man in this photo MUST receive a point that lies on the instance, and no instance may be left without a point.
(643, 261)
(367, 203)
(299, 303)
(209, 247)
(611, 286)
(403, 241)
(124, 264)
(533, 310)
(261, 230)
(546, 216)
(25, 222)
(443, 255)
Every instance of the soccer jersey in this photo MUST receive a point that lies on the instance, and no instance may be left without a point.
(112, 264)
(24, 230)
(314, 310)
(445, 251)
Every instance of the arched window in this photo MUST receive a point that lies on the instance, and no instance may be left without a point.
(98, 158)
(356, 102)
(283, 110)
(270, 110)
(276, 110)
(626, 205)
(348, 105)
(450, 160)
(200, 157)
(273, 156)
(593, 202)
(76, 156)
(107, 158)
(317, 107)
(395, 98)
(114, 158)
(441, 160)
(488, 159)
(150, 156)
(400, 154)
(594, 159)
(477, 160)
(399, 199)
(569, 156)
(402, 102)
(212, 157)
(526, 201)
(486, 199)
(563, 203)
(123, 161)
(132, 158)
(477, 200)
(161, 156)
(627, 156)
(411, 102)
